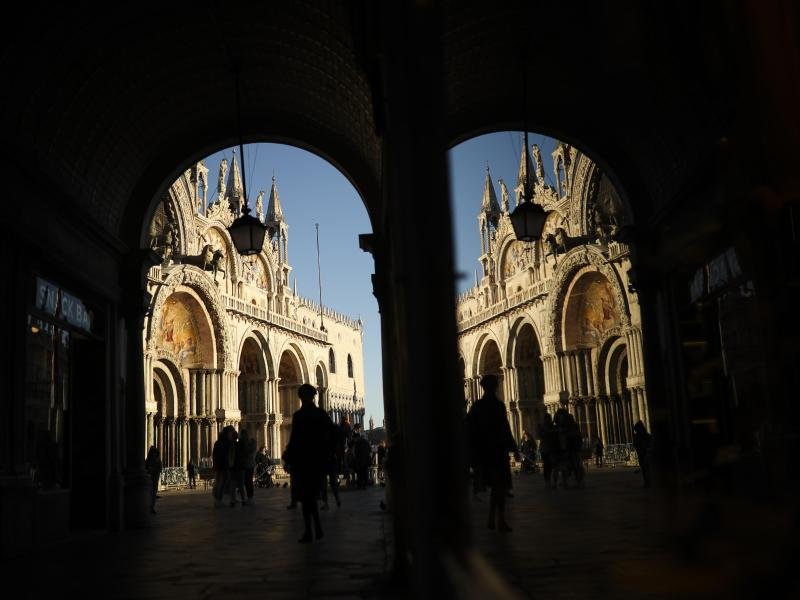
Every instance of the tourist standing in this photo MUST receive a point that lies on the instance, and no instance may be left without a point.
(191, 470)
(248, 463)
(598, 453)
(641, 443)
(490, 441)
(310, 446)
(152, 465)
(546, 448)
(221, 456)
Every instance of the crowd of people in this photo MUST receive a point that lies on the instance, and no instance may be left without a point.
(559, 444)
(321, 454)
(234, 461)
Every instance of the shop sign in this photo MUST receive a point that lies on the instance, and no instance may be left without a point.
(54, 301)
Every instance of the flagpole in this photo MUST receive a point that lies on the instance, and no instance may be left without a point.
(319, 282)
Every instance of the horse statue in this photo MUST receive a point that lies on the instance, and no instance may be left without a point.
(217, 261)
(165, 243)
(202, 260)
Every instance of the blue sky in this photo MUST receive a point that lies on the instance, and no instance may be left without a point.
(313, 191)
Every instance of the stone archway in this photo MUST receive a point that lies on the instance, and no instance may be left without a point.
(252, 384)
(529, 376)
(592, 310)
(490, 361)
(290, 376)
(161, 423)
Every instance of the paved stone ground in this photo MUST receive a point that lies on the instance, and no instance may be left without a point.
(611, 539)
(614, 539)
(196, 551)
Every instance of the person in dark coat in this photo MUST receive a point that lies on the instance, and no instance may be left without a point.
(310, 447)
(153, 466)
(362, 455)
(641, 443)
(547, 448)
(490, 441)
(191, 470)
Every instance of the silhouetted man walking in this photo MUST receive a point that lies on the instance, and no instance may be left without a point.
(308, 452)
(490, 441)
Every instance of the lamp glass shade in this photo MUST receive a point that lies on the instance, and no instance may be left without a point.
(247, 233)
(528, 219)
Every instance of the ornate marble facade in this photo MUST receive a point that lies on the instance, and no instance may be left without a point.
(227, 341)
(557, 320)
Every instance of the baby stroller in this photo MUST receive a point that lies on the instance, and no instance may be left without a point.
(263, 475)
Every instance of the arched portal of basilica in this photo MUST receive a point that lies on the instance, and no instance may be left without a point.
(228, 341)
(557, 320)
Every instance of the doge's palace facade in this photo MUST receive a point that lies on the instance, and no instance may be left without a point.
(558, 319)
(227, 340)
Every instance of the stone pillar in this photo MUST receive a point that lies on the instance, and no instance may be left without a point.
(173, 442)
(577, 373)
(601, 421)
(590, 387)
(634, 392)
(202, 407)
(197, 451)
(136, 304)
(625, 403)
(190, 405)
(643, 408)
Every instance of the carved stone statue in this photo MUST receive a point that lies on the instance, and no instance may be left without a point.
(608, 219)
(561, 239)
(165, 243)
(537, 157)
(503, 194)
(217, 262)
(562, 243)
(202, 260)
(223, 169)
(260, 206)
(551, 247)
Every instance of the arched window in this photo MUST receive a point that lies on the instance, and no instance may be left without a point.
(349, 366)
(331, 361)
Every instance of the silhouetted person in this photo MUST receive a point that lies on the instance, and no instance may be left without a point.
(546, 447)
(331, 476)
(362, 453)
(381, 460)
(641, 443)
(527, 448)
(292, 487)
(598, 453)
(308, 452)
(236, 469)
(191, 470)
(152, 465)
(561, 447)
(490, 441)
(575, 445)
(223, 455)
(248, 464)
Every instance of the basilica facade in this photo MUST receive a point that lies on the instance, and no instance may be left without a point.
(557, 320)
(227, 339)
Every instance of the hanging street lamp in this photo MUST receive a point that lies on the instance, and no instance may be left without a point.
(247, 231)
(527, 218)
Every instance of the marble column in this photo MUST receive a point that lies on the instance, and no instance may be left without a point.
(634, 393)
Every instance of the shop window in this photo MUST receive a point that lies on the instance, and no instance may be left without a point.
(46, 402)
